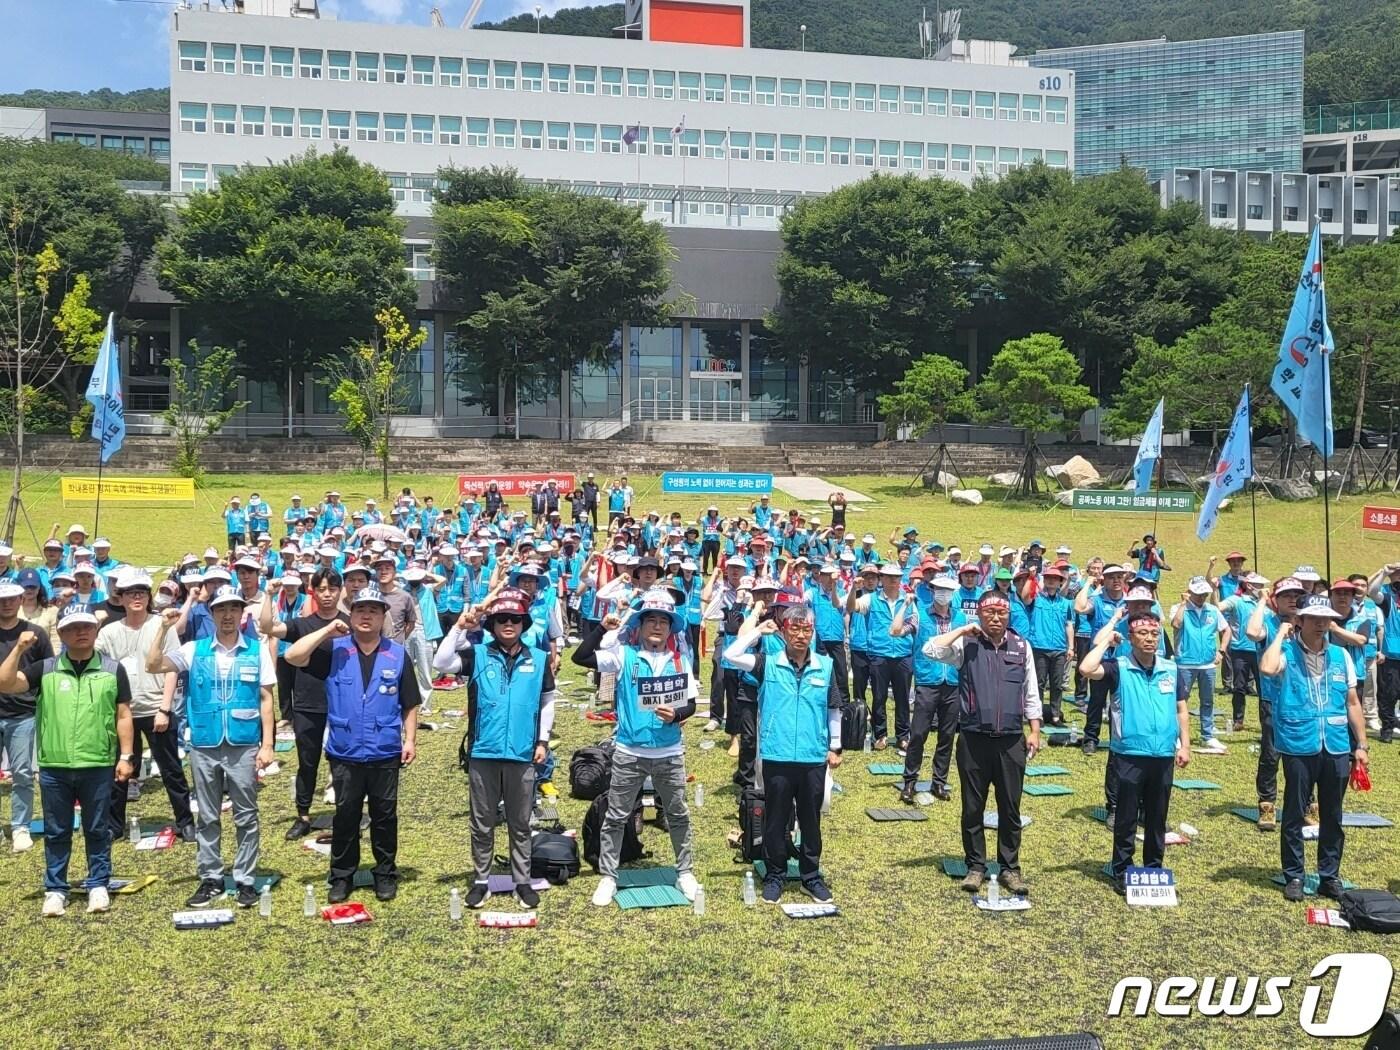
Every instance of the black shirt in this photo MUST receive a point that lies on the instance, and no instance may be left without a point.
(838, 514)
(320, 668)
(308, 691)
(14, 705)
(590, 495)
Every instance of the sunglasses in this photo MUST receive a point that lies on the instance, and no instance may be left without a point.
(508, 618)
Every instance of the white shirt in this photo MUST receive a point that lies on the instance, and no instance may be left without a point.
(183, 657)
(610, 655)
(1031, 708)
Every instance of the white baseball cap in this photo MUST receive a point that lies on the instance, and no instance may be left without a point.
(1198, 585)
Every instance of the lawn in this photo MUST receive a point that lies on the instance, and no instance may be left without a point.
(909, 959)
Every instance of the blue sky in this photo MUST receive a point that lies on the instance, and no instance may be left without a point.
(81, 45)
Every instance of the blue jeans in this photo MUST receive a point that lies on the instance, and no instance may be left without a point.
(17, 739)
(91, 789)
(1205, 678)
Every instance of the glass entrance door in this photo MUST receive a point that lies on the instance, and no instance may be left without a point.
(715, 400)
(656, 398)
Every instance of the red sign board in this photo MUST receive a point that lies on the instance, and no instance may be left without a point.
(512, 484)
(1380, 519)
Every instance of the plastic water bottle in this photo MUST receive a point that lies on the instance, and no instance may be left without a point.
(750, 896)
(265, 902)
(1254, 749)
(699, 795)
(994, 892)
(308, 904)
(134, 832)
(869, 743)
(699, 900)
(454, 905)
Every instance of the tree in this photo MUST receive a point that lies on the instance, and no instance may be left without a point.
(197, 408)
(1034, 383)
(931, 390)
(369, 385)
(873, 276)
(1363, 308)
(291, 262)
(544, 279)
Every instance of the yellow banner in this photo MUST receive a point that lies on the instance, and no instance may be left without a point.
(128, 490)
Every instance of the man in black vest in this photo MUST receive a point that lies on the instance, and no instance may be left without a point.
(997, 688)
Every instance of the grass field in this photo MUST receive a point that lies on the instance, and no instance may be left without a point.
(909, 960)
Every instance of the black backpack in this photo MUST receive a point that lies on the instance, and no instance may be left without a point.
(855, 719)
(553, 857)
(1375, 911)
(751, 811)
(593, 834)
(590, 771)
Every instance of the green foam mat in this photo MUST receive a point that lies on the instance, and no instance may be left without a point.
(886, 769)
(1196, 785)
(920, 785)
(1365, 820)
(650, 897)
(1249, 813)
(1310, 882)
(259, 881)
(878, 814)
(36, 827)
(637, 878)
(1047, 789)
(1046, 771)
(956, 867)
(761, 870)
(283, 746)
(363, 878)
(1100, 814)
(1107, 869)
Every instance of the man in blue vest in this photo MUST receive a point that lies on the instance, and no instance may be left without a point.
(1320, 731)
(1201, 633)
(829, 605)
(1387, 598)
(1098, 604)
(1149, 726)
(1278, 606)
(510, 711)
(997, 691)
(372, 703)
(655, 693)
(891, 666)
(229, 710)
(1050, 620)
(935, 689)
(799, 733)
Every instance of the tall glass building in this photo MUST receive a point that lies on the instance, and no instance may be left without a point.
(1227, 102)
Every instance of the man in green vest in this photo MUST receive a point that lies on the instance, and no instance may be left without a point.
(82, 719)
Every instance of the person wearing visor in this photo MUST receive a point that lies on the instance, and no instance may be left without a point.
(1280, 606)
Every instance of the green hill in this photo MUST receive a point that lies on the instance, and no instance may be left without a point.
(1350, 51)
(144, 100)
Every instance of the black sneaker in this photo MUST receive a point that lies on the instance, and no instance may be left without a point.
(1110, 818)
(478, 895)
(906, 793)
(1120, 885)
(208, 892)
(1293, 891)
(186, 832)
(386, 887)
(817, 890)
(942, 792)
(339, 892)
(1387, 735)
(1331, 887)
(772, 891)
(526, 895)
(301, 827)
(1090, 746)
(246, 897)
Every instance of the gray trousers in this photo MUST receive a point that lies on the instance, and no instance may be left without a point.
(668, 778)
(491, 781)
(216, 770)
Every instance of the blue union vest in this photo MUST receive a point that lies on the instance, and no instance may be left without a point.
(364, 718)
(227, 710)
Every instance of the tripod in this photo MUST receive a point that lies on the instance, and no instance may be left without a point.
(1026, 486)
(942, 463)
(12, 514)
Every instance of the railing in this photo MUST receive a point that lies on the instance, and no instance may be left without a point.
(1380, 115)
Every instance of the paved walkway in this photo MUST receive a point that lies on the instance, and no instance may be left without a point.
(815, 490)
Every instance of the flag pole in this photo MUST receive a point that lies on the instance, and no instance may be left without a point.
(1157, 496)
(1326, 500)
(101, 462)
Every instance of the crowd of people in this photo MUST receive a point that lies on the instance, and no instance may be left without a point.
(337, 633)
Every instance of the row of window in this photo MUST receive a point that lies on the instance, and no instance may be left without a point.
(617, 81)
(135, 144)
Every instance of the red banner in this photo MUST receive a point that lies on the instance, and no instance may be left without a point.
(1380, 519)
(512, 484)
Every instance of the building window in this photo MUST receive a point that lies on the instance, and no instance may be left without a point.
(889, 98)
(586, 138)
(790, 149)
(367, 127)
(789, 93)
(1030, 109)
(773, 385)
(309, 121)
(1056, 109)
(450, 131)
(962, 104)
(225, 58)
(889, 154)
(367, 66)
(309, 62)
(505, 134)
(193, 117)
(396, 69)
(865, 98)
(937, 102)
(532, 134)
(986, 105)
(662, 144)
(395, 127)
(281, 120)
(424, 70)
(223, 171)
(194, 178)
(253, 117)
(112, 142)
(253, 65)
(739, 145)
(193, 56)
(531, 76)
(716, 209)
(558, 137)
(423, 129)
(612, 138)
(1290, 213)
(962, 158)
(841, 151)
(815, 151)
(937, 156)
(421, 189)
(766, 91)
(225, 119)
(338, 125)
(914, 101)
(865, 153)
(690, 143)
(558, 79)
(816, 94)
(612, 81)
(714, 145)
(714, 87)
(282, 62)
(160, 149)
(338, 63)
(740, 90)
(450, 72)
(1029, 157)
(418, 260)
(986, 158)
(638, 83)
(1254, 211)
(1394, 217)
(586, 80)
(765, 146)
(1008, 157)
(1323, 214)
(1057, 158)
(478, 131)
(663, 84)
(840, 96)
(1219, 211)
(1008, 106)
(914, 156)
(478, 73)
(505, 75)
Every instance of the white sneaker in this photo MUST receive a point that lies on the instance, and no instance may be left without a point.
(21, 841)
(329, 797)
(603, 895)
(1374, 725)
(55, 904)
(711, 726)
(1215, 747)
(98, 900)
(687, 885)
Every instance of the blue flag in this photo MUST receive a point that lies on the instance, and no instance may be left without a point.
(1149, 451)
(105, 392)
(1232, 472)
(1303, 376)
